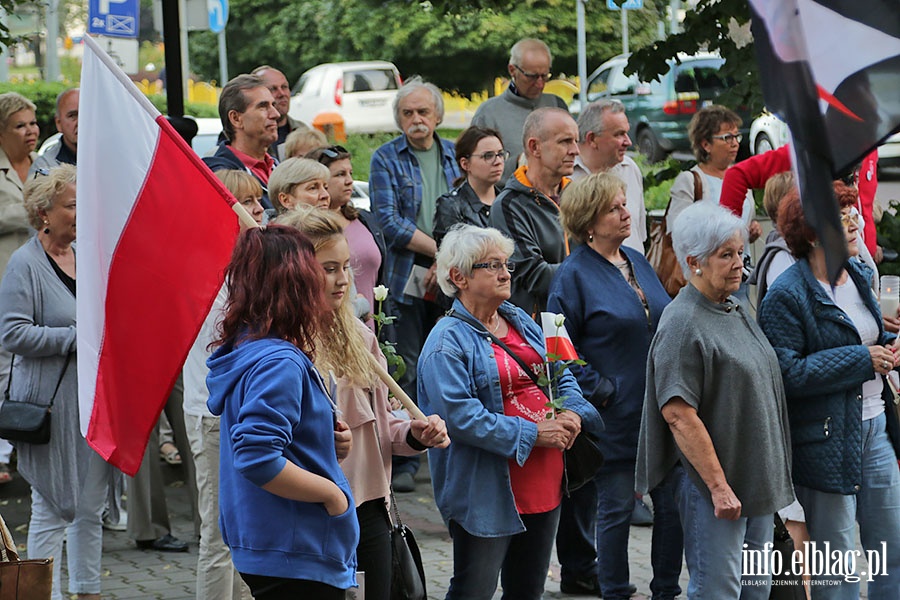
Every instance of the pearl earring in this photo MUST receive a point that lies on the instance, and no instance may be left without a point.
(46, 226)
(699, 271)
(590, 237)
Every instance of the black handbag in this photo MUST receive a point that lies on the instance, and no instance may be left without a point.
(407, 570)
(24, 421)
(784, 586)
(584, 459)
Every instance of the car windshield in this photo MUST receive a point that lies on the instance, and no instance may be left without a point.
(702, 78)
(369, 80)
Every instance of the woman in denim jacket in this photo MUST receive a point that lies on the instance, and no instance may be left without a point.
(499, 485)
(834, 354)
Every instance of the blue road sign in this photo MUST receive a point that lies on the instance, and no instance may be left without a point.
(118, 18)
(627, 5)
(218, 14)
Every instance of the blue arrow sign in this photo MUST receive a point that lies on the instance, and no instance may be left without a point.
(118, 18)
(218, 14)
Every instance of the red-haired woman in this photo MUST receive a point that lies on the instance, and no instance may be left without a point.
(284, 502)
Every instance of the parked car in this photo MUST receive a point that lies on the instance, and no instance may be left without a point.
(659, 111)
(889, 152)
(362, 93)
(768, 132)
(207, 138)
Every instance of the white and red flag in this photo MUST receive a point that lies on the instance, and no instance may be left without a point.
(155, 232)
(557, 342)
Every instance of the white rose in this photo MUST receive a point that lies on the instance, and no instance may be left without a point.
(381, 293)
(559, 319)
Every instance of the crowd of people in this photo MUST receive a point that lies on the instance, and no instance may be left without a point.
(721, 420)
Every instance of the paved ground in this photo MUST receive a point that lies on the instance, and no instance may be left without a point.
(129, 573)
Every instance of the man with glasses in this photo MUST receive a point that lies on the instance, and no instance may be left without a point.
(602, 141)
(529, 70)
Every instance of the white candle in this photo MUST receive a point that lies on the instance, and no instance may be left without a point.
(889, 305)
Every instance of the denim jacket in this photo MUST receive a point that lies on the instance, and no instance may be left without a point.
(824, 365)
(459, 380)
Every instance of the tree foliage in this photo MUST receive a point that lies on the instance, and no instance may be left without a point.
(718, 26)
(458, 45)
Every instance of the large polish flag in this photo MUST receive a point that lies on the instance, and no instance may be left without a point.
(155, 232)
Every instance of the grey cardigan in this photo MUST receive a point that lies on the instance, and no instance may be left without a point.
(38, 326)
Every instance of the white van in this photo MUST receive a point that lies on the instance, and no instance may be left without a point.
(361, 92)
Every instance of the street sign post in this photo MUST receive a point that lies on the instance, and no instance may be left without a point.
(218, 15)
(118, 18)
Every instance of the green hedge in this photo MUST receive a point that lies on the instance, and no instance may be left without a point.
(192, 109)
(43, 94)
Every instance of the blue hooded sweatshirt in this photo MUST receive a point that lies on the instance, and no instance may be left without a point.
(274, 409)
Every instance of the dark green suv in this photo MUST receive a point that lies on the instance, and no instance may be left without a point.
(659, 111)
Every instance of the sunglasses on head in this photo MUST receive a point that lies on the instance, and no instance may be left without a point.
(334, 151)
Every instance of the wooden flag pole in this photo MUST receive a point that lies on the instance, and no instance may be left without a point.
(398, 392)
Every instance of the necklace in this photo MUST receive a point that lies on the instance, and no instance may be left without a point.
(497, 326)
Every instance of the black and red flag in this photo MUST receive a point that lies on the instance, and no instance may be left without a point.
(831, 70)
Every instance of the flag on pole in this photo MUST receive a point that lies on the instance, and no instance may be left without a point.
(155, 232)
(831, 70)
(557, 342)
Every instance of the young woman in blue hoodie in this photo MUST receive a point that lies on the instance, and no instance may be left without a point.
(285, 505)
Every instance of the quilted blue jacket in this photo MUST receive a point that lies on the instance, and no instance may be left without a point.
(824, 364)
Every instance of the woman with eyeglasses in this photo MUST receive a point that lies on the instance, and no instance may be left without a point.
(481, 158)
(367, 246)
(715, 140)
(612, 301)
(499, 484)
(835, 358)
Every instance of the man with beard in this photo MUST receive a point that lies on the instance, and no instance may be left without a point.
(407, 176)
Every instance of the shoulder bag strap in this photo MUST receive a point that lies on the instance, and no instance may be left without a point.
(8, 549)
(698, 186)
(482, 329)
(9, 378)
(396, 520)
(59, 381)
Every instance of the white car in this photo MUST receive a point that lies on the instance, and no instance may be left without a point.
(767, 132)
(362, 93)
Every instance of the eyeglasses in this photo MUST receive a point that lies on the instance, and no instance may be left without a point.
(42, 171)
(494, 266)
(729, 138)
(333, 151)
(490, 156)
(847, 219)
(534, 76)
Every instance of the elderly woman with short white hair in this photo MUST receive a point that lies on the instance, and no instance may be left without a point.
(715, 421)
(499, 485)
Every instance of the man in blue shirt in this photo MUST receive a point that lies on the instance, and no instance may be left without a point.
(406, 177)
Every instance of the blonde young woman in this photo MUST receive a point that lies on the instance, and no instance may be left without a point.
(346, 352)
